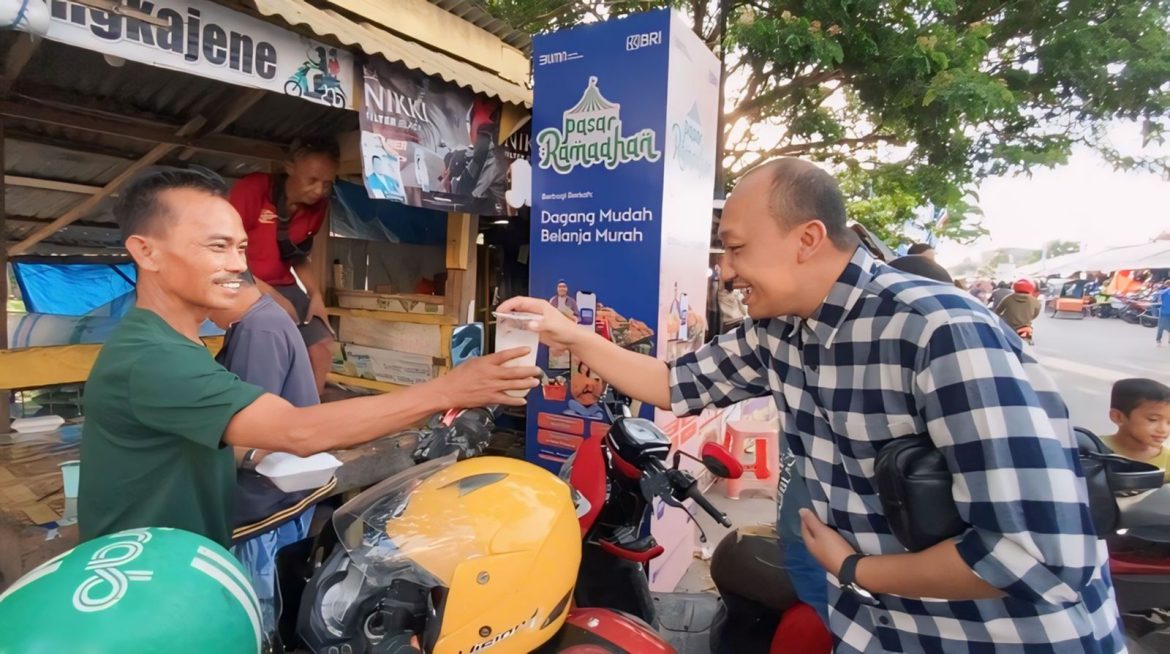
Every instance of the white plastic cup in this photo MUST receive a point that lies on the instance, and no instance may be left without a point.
(512, 332)
(70, 474)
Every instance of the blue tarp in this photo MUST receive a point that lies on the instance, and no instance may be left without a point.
(70, 300)
(72, 289)
(354, 215)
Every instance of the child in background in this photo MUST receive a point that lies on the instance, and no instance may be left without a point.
(1141, 410)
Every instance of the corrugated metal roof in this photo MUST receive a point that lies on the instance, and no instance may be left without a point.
(374, 40)
(61, 72)
(475, 13)
(172, 95)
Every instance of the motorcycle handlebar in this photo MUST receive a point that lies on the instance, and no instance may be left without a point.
(695, 494)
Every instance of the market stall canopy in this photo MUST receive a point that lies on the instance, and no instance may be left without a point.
(1130, 257)
(1046, 267)
(372, 39)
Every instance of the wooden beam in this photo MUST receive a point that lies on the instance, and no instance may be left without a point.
(4, 395)
(52, 247)
(29, 221)
(34, 138)
(85, 206)
(368, 384)
(461, 255)
(17, 58)
(155, 133)
(35, 367)
(320, 265)
(50, 185)
(460, 240)
(231, 114)
(394, 316)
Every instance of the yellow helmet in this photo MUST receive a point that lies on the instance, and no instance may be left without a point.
(489, 546)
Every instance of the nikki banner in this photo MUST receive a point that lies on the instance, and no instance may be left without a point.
(428, 143)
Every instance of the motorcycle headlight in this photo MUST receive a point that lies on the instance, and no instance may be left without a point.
(337, 600)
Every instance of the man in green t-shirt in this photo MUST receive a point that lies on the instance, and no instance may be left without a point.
(162, 415)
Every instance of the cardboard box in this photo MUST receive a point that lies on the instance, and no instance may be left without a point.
(397, 336)
(339, 364)
(401, 303)
(389, 366)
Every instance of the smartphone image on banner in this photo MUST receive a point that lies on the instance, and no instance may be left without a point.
(586, 308)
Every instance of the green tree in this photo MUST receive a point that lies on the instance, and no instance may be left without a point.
(1058, 248)
(914, 102)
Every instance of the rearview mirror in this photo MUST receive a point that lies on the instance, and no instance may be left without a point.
(720, 462)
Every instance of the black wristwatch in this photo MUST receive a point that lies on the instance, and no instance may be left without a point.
(847, 575)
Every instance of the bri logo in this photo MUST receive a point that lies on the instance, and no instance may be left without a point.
(644, 40)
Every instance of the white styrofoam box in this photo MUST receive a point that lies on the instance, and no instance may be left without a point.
(293, 473)
(40, 423)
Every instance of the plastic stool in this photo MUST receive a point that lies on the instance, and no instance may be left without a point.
(763, 465)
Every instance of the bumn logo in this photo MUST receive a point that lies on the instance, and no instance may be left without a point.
(558, 57)
(644, 40)
(591, 134)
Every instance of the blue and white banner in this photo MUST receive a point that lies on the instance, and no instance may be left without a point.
(623, 133)
(207, 39)
(623, 174)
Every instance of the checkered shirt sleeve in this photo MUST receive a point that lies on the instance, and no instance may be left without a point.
(724, 371)
(1015, 479)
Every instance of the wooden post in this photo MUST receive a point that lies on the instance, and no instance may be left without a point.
(88, 204)
(321, 265)
(460, 290)
(18, 57)
(4, 395)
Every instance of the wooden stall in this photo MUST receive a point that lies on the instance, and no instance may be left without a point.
(80, 115)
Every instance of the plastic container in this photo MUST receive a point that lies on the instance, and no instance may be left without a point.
(511, 332)
(293, 473)
(70, 475)
(37, 424)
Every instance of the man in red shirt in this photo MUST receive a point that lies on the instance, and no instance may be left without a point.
(281, 215)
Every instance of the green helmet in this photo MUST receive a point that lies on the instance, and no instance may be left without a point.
(140, 590)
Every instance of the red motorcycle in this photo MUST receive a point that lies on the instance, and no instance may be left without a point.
(360, 593)
(1025, 332)
(616, 482)
(1139, 562)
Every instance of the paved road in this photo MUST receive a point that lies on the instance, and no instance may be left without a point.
(1086, 356)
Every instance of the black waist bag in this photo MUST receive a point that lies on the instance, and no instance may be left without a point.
(914, 487)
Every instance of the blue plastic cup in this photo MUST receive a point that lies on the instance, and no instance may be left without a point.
(70, 473)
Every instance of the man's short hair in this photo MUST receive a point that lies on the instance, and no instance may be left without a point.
(315, 144)
(919, 248)
(923, 267)
(1128, 394)
(800, 191)
(139, 210)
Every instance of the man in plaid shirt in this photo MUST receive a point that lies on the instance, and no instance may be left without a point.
(856, 354)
